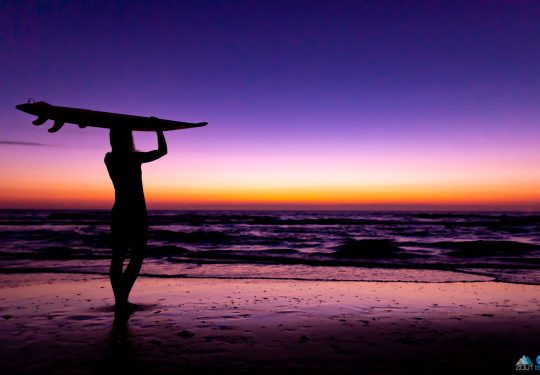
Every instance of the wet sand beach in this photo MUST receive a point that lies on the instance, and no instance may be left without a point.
(66, 324)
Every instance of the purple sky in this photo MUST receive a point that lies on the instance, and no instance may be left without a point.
(366, 85)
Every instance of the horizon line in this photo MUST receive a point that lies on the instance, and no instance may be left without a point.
(535, 208)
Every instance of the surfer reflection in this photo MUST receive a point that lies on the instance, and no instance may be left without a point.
(129, 223)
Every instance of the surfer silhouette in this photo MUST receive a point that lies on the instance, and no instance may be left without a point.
(129, 223)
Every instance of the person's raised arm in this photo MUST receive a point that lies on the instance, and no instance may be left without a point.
(162, 144)
(149, 156)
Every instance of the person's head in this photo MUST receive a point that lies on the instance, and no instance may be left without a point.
(121, 140)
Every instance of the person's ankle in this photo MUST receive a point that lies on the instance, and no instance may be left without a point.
(121, 302)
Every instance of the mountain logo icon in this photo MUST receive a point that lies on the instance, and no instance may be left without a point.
(524, 364)
(526, 361)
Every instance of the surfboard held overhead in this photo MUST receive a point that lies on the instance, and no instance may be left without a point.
(85, 117)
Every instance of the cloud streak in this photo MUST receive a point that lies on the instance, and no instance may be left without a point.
(18, 143)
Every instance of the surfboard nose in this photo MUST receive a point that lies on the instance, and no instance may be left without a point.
(32, 108)
(23, 107)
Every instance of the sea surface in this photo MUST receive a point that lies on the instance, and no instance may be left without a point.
(366, 246)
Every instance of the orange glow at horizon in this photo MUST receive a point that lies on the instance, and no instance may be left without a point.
(77, 178)
(102, 196)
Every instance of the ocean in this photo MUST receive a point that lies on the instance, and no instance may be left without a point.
(356, 246)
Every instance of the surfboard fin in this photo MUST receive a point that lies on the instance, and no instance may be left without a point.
(57, 126)
(40, 120)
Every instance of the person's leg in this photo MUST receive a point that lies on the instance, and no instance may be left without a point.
(119, 251)
(138, 251)
(132, 272)
(116, 274)
(138, 230)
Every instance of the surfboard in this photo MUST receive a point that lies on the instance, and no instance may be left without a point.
(85, 117)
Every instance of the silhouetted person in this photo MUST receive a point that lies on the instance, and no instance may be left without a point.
(129, 224)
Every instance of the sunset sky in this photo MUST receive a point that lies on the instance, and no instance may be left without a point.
(311, 104)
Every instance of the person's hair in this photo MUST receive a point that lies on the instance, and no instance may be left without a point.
(121, 140)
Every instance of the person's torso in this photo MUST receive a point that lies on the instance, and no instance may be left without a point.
(126, 175)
